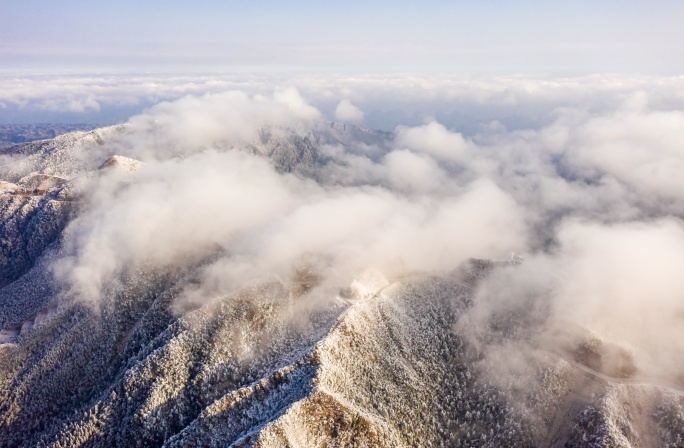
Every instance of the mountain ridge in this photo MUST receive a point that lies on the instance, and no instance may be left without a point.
(387, 362)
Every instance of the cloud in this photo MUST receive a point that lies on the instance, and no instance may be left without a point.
(196, 194)
(291, 97)
(589, 193)
(642, 149)
(623, 280)
(177, 210)
(462, 104)
(196, 123)
(174, 210)
(618, 285)
(70, 105)
(409, 171)
(346, 111)
(435, 140)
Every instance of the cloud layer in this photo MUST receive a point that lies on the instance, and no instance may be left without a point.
(462, 102)
(589, 193)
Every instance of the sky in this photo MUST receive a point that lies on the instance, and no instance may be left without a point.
(77, 36)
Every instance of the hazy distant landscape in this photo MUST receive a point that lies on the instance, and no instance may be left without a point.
(11, 134)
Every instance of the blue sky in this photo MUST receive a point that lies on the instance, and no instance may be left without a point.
(495, 36)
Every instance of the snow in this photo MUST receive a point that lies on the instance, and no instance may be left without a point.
(387, 365)
(120, 162)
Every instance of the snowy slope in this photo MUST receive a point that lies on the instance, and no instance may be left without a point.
(384, 362)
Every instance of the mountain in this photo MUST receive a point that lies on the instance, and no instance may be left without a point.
(393, 359)
(11, 134)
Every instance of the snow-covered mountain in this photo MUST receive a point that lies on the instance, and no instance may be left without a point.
(390, 359)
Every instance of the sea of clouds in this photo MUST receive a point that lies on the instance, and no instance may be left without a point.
(580, 175)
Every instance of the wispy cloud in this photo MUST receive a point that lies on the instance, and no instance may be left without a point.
(582, 179)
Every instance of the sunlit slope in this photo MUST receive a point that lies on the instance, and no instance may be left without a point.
(286, 360)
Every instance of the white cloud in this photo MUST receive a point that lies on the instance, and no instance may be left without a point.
(460, 103)
(408, 171)
(644, 150)
(346, 111)
(194, 123)
(296, 103)
(435, 140)
(579, 173)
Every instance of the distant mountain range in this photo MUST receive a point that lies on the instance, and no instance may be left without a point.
(387, 361)
(11, 134)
